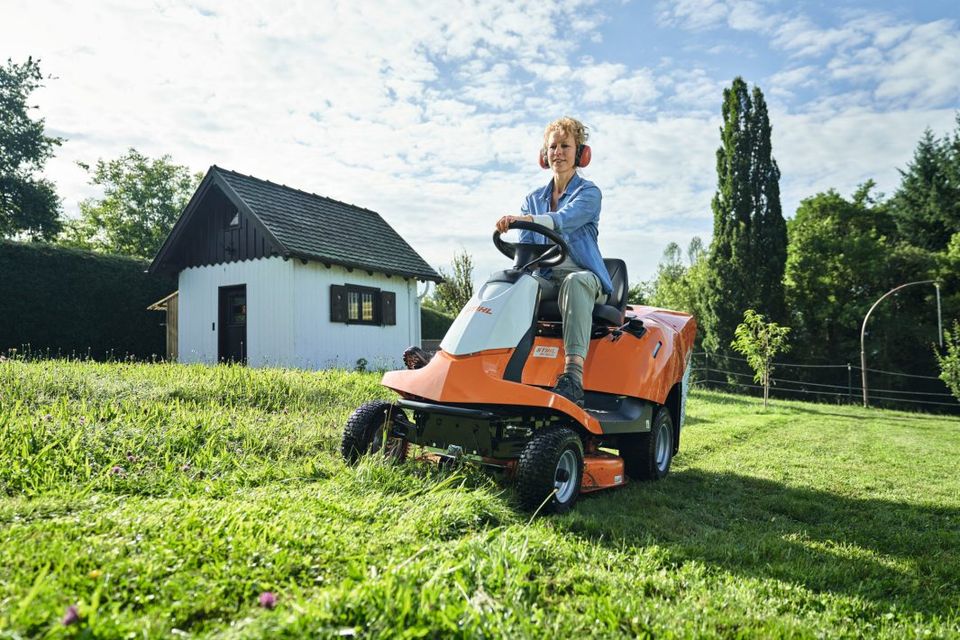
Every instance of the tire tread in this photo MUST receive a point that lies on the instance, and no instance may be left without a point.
(358, 433)
(537, 466)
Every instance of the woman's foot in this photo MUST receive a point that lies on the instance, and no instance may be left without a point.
(568, 387)
(415, 358)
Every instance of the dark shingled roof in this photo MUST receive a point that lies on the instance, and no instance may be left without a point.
(315, 227)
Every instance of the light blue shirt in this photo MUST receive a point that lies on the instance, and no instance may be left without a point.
(576, 220)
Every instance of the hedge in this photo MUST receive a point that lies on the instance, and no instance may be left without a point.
(433, 323)
(61, 302)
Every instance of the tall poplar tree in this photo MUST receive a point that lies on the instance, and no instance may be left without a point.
(749, 249)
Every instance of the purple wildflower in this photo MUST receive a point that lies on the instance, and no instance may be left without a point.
(72, 616)
(117, 470)
(268, 600)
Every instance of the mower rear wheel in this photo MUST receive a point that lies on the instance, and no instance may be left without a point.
(551, 465)
(647, 456)
(366, 432)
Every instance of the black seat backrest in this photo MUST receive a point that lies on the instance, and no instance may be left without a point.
(617, 269)
(609, 311)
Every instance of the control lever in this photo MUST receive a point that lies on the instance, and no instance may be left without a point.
(633, 326)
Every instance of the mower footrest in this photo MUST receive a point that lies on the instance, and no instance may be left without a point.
(445, 409)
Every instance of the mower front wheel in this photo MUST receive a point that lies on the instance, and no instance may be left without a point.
(367, 431)
(551, 466)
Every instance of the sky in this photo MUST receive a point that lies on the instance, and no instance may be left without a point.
(432, 113)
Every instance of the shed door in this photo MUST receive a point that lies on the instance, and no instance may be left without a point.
(233, 324)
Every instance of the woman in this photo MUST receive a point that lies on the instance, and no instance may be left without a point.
(570, 205)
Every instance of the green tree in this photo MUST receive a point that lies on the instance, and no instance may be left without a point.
(749, 248)
(926, 206)
(639, 293)
(760, 342)
(142, 200)
(950, 361)
(948, 272)
(843, 255)
(28, 204)
(678, 286)
(455, 291)
(838, 263)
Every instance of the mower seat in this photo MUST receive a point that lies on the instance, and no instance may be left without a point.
(609, 312)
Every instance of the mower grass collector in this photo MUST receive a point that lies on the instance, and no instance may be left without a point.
(486, 396)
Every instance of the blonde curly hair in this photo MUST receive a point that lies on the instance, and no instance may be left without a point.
(568, 126)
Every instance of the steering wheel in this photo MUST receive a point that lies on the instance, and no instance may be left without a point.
(551, 257)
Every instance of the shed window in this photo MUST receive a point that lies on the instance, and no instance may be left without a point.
(366, 307)
(359, 305)
(235, 220)
(355, 304)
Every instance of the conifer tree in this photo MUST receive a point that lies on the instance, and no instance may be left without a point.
(926, 206)
(749, 248)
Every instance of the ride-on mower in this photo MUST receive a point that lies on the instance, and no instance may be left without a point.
(486, 395)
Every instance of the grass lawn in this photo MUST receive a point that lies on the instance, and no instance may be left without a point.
(164, 500)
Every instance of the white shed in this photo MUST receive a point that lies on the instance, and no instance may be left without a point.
(275, 276)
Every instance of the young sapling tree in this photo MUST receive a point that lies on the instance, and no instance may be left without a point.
(950, 361)
(760, 341)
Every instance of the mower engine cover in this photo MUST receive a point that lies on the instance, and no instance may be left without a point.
(497, 316)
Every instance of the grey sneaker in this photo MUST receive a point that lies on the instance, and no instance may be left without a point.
(568, 388)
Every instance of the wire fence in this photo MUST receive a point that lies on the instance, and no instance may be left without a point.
(827, 383)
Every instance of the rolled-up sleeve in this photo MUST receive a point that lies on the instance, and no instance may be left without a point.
(527, 236)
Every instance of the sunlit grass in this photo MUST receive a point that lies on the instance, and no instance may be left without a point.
(158, 498)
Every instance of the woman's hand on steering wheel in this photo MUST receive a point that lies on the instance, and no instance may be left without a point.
(503, 224)
(551, 256)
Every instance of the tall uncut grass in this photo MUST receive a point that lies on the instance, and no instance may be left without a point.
(163, 500)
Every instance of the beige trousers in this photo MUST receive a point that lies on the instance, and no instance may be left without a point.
(579, 291)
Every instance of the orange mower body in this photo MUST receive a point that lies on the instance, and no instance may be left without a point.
(486, 396)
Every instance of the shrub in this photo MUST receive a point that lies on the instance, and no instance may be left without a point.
(433, 323)
(56, 301)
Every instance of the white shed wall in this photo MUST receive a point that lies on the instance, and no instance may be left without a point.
(321, 344)
(270, 332)
(288, 315)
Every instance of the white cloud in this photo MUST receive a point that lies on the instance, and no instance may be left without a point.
(694, 90)
(788, 81)
(693, 14)
(916, 66)
(742, 15)
(432, 113)
(615, 84)
(847, 148)
(801, 37)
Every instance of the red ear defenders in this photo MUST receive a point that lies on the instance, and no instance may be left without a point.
(583, 157)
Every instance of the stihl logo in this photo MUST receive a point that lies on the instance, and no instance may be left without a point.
(486, 310)
(545, 352)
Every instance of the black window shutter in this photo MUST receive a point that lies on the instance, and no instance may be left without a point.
(388, 307)
(338, 303)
